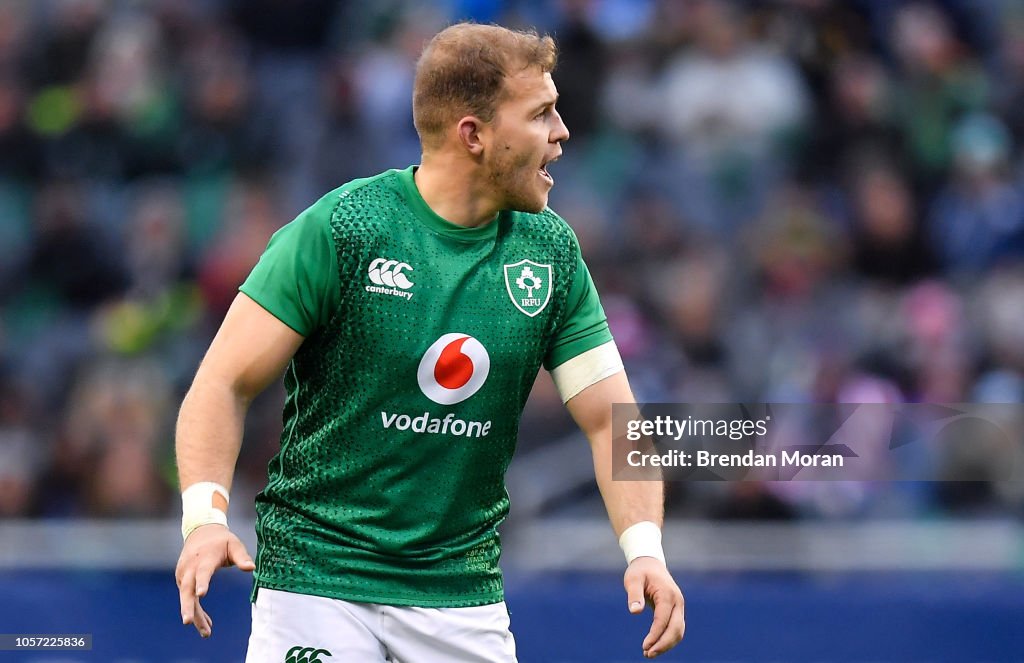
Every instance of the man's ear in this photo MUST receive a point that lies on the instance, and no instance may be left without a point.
(472, 134)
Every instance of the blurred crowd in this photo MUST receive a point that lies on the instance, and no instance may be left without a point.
(790, 201)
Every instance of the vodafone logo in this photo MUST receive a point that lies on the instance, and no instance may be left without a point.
(453, 368)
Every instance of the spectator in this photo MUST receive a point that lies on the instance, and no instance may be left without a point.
(978, 218)
(781, 201)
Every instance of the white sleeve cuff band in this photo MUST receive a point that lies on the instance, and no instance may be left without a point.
(586, 369)
(197, 507)
(642, 539)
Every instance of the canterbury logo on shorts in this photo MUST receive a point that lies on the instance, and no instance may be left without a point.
(299, 654)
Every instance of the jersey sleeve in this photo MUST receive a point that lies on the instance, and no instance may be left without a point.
(584, 326)
(296, 278)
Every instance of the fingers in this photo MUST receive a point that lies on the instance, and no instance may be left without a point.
(191, 611)
(672, 635)
(203, 622)
(239, 556)
(206, 550)
(634, 585)
(662, 615)
(187, 595)
(648, 579)
(204, 571)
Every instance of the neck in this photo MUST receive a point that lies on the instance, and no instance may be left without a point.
(452, 188)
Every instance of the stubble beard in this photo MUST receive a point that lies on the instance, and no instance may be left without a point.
(513, 179)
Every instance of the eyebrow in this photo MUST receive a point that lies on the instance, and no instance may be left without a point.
(544, 105)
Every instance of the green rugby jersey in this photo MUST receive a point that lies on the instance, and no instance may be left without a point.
(422, 342)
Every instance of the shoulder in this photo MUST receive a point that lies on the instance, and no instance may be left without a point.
(365, 187)
(360, 192)
(362, 205)
(328, 204)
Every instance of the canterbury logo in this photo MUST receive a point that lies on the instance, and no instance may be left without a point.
(389, 278)
(306, 655)
(389, 272)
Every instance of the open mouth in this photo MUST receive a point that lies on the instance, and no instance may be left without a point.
(543, 170)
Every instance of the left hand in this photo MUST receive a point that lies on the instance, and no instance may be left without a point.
(648, 580)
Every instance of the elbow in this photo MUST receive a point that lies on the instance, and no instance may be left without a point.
(210, 386)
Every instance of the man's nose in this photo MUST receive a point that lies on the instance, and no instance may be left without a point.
(561, 132)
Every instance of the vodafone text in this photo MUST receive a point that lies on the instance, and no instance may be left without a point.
(425, 423)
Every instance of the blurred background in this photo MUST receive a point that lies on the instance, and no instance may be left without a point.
(789, 201)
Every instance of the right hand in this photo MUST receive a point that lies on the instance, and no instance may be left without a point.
(207, 549)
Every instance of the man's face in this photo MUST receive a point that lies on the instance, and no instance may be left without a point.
(525, 136)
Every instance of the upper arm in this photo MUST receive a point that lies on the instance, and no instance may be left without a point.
(292, 291)
(592, 407)
(250, 350)
(584, 325)
(581, 352)
(296, 278)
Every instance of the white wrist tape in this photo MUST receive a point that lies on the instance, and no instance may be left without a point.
(197, 507)
(642, 539)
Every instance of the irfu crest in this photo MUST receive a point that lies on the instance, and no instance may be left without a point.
(529, 285)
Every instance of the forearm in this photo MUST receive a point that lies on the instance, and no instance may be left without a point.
(209, 433)
(209, 436)
(627, 502)
(247, 354)
(636, 510)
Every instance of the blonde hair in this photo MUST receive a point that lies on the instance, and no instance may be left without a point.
(462, 72)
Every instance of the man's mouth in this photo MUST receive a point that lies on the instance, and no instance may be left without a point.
(543, 170)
